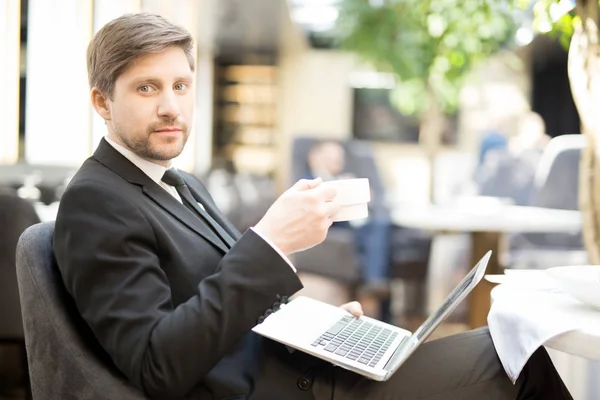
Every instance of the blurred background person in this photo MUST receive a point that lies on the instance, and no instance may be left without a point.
(508, 171)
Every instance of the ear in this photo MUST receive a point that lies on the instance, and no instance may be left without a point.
(100, 103)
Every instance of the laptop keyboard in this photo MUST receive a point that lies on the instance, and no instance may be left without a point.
(357, 340)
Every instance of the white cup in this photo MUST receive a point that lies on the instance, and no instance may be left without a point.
(353, 195)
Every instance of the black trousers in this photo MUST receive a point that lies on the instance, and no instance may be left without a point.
(463, 366)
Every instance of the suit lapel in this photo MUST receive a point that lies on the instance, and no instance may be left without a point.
(116, 162)
(185, 216)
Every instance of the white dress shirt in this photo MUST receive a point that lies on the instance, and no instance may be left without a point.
(156, 172)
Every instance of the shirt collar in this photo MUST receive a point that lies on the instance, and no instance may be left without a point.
(154, 171)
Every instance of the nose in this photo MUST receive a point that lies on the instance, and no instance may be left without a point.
(168, 105)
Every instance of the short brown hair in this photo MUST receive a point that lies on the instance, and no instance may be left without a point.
(126, 38)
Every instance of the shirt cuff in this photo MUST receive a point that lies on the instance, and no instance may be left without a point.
(277, 249)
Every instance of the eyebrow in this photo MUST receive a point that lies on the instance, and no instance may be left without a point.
(157, 81)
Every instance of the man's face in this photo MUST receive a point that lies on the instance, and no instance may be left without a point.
(152, 106)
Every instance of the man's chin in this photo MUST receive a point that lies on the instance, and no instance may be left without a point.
(166, 155)
(169, 150)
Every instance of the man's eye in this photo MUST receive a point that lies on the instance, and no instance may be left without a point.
(181, 86)
(145, 88)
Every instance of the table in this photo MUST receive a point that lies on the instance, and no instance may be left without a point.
(534, 309)
(486, 222)
(498, 218)
(556, 307)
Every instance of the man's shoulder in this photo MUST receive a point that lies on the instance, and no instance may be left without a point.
(94, 181)
(93, 173)
(97, 194)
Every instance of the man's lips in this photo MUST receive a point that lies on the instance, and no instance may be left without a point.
(168, 130)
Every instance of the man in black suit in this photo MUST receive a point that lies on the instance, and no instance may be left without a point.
(171, 290)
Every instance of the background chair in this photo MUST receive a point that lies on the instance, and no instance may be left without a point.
(556, 186)
(65, 360)
(16, 215)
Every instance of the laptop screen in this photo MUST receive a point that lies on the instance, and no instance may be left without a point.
(450, 303)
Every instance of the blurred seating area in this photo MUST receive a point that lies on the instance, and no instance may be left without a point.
(38, 183)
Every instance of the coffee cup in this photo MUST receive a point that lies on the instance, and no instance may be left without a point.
(353, 195)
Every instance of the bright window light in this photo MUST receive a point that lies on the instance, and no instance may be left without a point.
(317, 15)
(313, 2)
(557, 10)
(372, 80)
(545, 26)
(58, 115)
(9, 81)
(524, 36)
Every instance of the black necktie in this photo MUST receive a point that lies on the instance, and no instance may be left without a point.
(172, 178)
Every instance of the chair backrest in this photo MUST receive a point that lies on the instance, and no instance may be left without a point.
(557, 177)
(556, 186)
(65, 360)
(16, 215)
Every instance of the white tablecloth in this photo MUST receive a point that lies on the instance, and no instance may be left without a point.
(501, 218)
(525, 317)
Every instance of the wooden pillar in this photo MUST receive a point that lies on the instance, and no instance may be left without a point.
(479, 299)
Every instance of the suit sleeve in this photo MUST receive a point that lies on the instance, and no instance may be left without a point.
(107, 253)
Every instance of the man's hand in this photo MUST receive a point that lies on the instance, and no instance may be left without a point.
(300, 218)
(353, 308)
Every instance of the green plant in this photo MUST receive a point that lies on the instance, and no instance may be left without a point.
(428, 45)
(555, 18)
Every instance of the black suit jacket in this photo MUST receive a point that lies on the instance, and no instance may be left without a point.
(165, 298)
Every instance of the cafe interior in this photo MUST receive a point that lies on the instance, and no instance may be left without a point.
(470, 142)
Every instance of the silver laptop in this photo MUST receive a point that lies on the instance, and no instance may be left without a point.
(364, 345)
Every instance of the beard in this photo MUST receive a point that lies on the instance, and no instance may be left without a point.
(164, 149)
